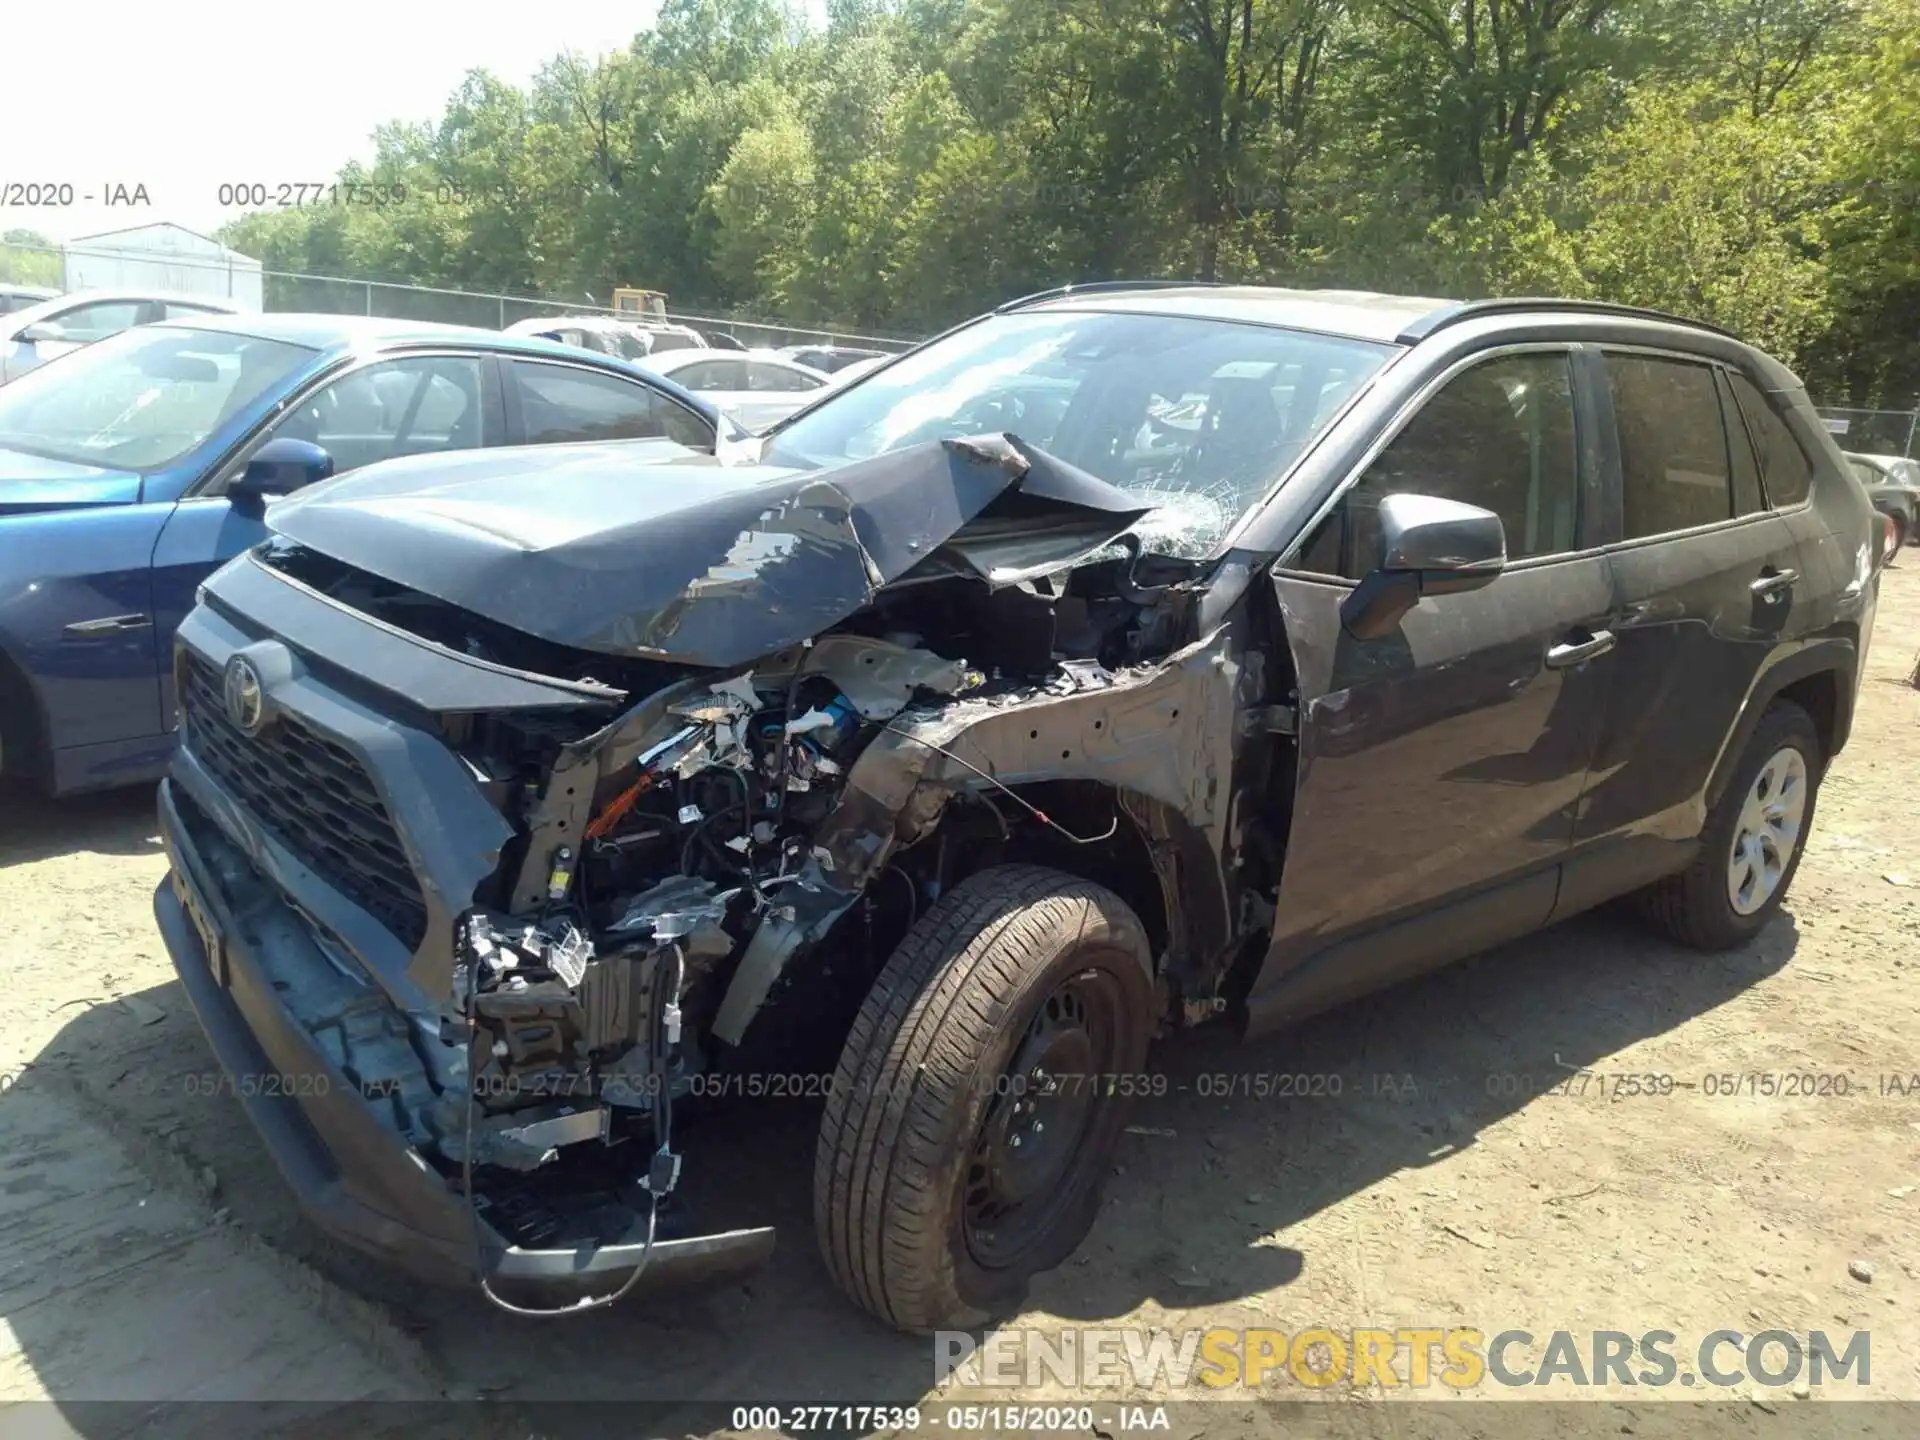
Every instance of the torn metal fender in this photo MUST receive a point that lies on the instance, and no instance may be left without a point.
(1165, 735)
(878, 677)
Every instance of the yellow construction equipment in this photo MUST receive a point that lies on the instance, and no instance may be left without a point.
(640, 302)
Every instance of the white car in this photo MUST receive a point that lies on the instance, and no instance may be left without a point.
(31, 337)
(19, 297)
(610, 335)
(756, 387)
(847, 374)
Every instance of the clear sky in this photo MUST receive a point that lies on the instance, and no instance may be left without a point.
(181, 97)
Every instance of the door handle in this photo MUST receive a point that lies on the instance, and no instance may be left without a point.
(1775, 585)
(109, 625)
(1578, 652)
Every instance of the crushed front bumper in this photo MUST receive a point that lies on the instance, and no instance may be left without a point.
(352, 1172)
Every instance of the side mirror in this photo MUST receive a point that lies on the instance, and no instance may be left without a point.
(1432, 547)
(280, 467)
(41, 333)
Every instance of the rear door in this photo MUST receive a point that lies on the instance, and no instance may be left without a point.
(1439, 767)
(1705, 585)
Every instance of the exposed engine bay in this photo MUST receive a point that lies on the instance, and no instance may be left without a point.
(594, 991)
(710, 864)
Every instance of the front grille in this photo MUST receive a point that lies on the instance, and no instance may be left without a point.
(313, 795)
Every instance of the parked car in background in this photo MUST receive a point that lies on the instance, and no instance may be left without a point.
(19, 297)
(829, 359)
(131, 469)
(1893, 484)
(847, 374)
(756, 387)
(30, 337)
(609, 334)
(1264, 648)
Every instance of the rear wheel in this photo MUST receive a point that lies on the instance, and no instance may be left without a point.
(1752, 842)
(971, 1120)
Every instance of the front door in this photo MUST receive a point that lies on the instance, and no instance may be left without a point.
(1440, 767)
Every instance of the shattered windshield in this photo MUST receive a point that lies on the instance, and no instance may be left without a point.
(1200, 417)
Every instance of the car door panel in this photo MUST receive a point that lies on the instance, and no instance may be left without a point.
(80, 618)
(1692, 637)
(1446, 758)
(1439, 769)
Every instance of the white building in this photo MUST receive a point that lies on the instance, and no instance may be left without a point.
(162, 257)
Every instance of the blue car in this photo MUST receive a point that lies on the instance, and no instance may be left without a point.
(133, 468)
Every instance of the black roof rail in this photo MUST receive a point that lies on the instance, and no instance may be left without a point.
(1520, 304)
(1089, 287)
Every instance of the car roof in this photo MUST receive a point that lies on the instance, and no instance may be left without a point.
(1356, 314)
(1353, 314)
(335, 334)
(534, 324)
(65, 300)
(329, 332)
(670, 361)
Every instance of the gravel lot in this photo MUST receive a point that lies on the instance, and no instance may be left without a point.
(149, 1252)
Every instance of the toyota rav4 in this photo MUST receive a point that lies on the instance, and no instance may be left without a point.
(1131, 656)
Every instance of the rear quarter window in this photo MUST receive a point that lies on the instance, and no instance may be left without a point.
(1785, 468)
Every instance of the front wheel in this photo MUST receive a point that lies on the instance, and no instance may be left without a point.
(1752, 841)
(972, 1120)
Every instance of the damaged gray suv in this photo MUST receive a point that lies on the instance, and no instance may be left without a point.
(1128, 657)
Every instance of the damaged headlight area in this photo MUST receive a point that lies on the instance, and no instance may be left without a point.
(697, 773)
(575, 1017)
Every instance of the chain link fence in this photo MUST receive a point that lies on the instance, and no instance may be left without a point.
(287, 292)
(1873, 432)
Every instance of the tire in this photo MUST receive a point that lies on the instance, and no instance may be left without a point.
(1700, 906)
(916, 1147)
(1899, 540)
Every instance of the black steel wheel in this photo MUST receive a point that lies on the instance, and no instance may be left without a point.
(971, 1121)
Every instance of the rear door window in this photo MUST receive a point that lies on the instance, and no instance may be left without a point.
(1674, 468)
(563, 403)
(713, 375)
(762, 376)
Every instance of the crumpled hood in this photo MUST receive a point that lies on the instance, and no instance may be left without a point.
(650, 550)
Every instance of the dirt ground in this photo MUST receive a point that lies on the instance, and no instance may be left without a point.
(149, 1252)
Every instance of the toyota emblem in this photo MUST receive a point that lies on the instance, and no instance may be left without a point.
(246, 705)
